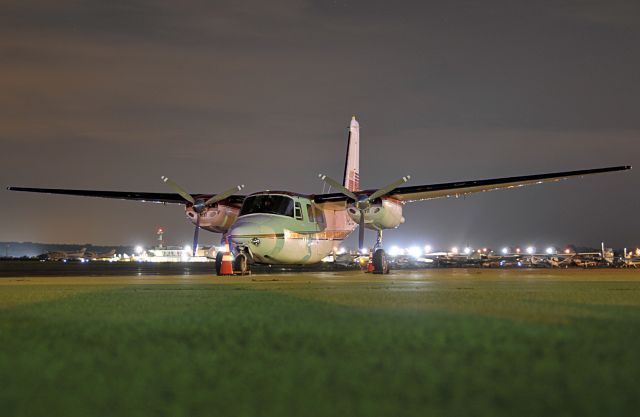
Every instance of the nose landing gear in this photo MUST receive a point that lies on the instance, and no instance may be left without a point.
(241, 264)
(227, 264)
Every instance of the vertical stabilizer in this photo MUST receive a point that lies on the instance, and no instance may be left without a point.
(351, 179)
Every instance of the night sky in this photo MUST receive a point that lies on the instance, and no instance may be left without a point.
(113, 94)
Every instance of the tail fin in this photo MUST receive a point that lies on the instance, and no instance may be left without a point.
(351, 179)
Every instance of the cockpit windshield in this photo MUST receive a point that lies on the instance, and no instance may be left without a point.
(268, 204)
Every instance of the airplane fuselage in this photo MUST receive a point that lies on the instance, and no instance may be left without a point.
(288, 228)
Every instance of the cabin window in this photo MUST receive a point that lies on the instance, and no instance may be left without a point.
(310, 216)
(298, 211)
(268, 204)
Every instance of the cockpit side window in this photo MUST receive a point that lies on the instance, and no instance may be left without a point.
(268, 204)
(310, 216)
(297, 212)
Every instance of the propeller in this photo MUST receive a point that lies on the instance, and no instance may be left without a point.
(199, 205)
(363, 201)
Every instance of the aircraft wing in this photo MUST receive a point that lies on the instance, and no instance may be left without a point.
(456, 189)
(166, 198)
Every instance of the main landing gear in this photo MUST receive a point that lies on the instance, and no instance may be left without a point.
(380, 262)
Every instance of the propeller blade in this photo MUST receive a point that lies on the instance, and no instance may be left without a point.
(388, 188)
(222, 196)
(178, 190)
(195, 236)
(338, 186)
(361, 232)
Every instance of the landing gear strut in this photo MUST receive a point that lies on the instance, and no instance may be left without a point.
(380, 262)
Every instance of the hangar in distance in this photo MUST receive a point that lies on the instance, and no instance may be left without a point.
(284, 227)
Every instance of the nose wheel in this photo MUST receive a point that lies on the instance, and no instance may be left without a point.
(227, 264)
(241, 264)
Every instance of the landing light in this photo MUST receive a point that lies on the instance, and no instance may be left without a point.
(505, 251)
(454, 250)
(467, 251)
(531, 250)
(138, 249)
(186, 249)
(364, 251)
(427, 249)
(550, 250)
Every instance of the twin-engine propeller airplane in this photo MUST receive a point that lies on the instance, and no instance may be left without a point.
(281, 227)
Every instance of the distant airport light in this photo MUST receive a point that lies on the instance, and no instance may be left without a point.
(427, 249)
(415, 251)
(484, 250)
(517, 250)
(186, 249)
(550, 250)
(531, 250)
(505, 251)
(638, 251)
(395, 251)
(364, 251)
(467, 251)
(139, 249)
(567, 251)
(454, 250)
(341, 251)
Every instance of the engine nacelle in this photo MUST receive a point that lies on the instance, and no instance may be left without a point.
(217, 218)
(383, 214)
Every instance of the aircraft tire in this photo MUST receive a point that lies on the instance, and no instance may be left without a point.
(380, 263)
(219, 256)
(241, 264)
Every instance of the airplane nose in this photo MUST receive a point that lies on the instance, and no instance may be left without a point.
(259, 238)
